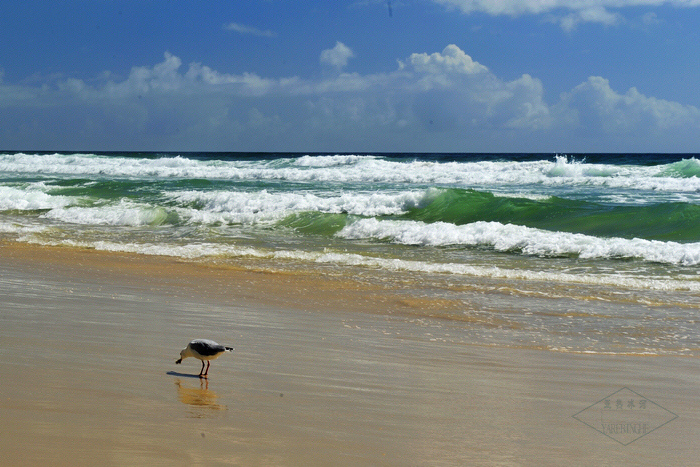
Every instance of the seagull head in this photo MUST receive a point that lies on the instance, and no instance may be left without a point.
(184, 353)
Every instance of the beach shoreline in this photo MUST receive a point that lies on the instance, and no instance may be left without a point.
(327, 370)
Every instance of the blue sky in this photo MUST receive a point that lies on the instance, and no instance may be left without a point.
(357, 75)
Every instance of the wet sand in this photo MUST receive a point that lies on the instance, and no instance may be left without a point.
(320, 375)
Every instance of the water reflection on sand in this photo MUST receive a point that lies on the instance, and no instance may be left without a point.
(201, 399)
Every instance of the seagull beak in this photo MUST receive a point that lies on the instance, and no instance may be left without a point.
(179, 360)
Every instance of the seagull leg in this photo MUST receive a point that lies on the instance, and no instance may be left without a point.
(208, 364)
(201, 372)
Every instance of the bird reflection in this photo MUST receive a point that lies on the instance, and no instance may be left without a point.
(199, 397)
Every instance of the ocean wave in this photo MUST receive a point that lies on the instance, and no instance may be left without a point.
(21, 231)
(367, 169)
(125, 213)
(218, 251)
(330, 161)
(30, 199)
(260, 206)
(687, 168)
(664, 221)
(525, 240)
(141, 202)
(565, 167)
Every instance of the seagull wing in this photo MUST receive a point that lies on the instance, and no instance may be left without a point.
(206, 348)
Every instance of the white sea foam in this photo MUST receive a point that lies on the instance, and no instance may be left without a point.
(29, 199)
(205, 250)
(216, 207)
(261, 206)
(530, 241)
(367, 170)
(125, 213)
(21, 230)
(329, 161)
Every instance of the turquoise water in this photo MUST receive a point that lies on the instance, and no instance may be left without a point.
(568, 230)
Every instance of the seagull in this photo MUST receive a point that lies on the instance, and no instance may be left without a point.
(203, 349)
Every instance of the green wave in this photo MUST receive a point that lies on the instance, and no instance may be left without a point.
(685, 168)
(668, 222)
(678, 222)
(315, 223)
(105, 189)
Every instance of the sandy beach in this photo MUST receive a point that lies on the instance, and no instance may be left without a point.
(326, 371)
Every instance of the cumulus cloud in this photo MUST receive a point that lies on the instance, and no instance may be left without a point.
(529, 111)
(455, 91)
(338, 56)
(601, 110)
(163, 76)
(432, 101)
(567, 13)
(451, 60)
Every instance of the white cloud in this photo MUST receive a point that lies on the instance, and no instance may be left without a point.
(162, 77)
(599, 109)
(529, 111)
(451, 60)
(579, 11)
(440, 101)
(249, 30)
(456, 91)
(338, 56)
(520, 7)
(246, 84)
(591, 15)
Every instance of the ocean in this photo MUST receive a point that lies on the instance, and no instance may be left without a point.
(584, 253)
